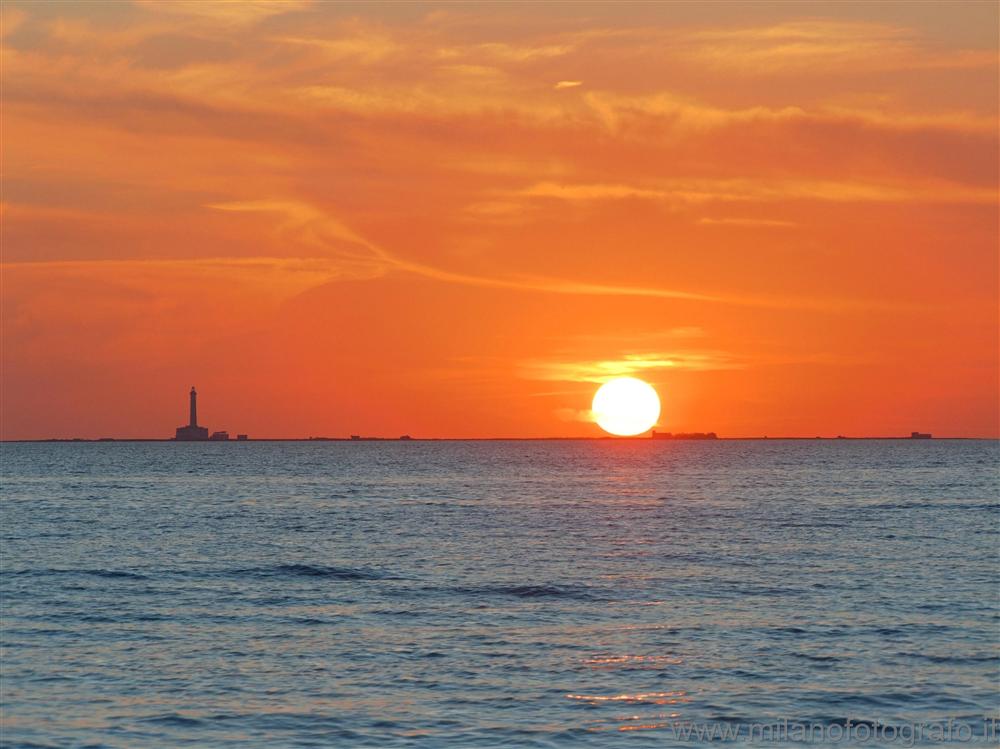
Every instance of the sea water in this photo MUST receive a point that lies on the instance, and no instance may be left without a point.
(507, 594)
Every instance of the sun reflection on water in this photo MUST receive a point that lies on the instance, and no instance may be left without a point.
(650, 698)
(639, 661)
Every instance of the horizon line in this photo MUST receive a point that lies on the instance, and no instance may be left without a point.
(599, 438)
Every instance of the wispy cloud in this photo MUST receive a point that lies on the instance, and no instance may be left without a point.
(807, 45)
(364, 47)
(602, 370)
(339, 252)
(323, 232)
(503, 51)
(766, 190)
(241, 13)
(274, 278)
(624, 113)
(588, 191)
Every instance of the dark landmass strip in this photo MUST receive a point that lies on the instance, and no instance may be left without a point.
(683, 435)
(697, 436)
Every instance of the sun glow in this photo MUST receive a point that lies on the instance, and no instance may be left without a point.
(626, 406)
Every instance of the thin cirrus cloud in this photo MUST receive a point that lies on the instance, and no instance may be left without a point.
(270, 278)
(315, 229)
(339, 253)
(438, 89)
(365, 48)
(430, 84)
(321, 232)
(602, 370)
(228, 13)
(735, 190)
(516, 53)
(797, 46)
(685, 114)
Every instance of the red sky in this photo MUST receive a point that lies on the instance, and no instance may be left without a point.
(457, 220)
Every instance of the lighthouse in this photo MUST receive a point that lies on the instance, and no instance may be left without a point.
(194, 408)
(192, 432)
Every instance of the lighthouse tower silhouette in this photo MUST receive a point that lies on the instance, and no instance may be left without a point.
(192, 432)
(194, 407)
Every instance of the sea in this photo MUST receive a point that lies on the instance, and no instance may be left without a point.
(595, 593)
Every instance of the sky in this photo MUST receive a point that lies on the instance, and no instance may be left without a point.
(457, 220)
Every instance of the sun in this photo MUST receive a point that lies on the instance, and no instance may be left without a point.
(626, 406)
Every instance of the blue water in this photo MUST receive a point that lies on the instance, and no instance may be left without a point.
(507, 594)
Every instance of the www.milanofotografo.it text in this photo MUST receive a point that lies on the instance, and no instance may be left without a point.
(848, 731)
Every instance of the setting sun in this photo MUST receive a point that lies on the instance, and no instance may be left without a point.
(626, 406)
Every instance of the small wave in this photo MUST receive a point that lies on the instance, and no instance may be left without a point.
(174, 719)
(114, 574)
(931, 658)
(817, 658)
(531, 591)
(791, 631)
(397, 612)
(964, 505)
(315, 570)
(498, 589)
(894, 701)
(538, 591)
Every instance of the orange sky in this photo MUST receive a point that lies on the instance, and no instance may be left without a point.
(456, 220)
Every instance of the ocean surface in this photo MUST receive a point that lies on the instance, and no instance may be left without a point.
(501, 594)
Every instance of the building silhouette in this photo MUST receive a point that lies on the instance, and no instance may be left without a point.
(192, 432)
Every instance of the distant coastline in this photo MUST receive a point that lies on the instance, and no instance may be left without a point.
(195, 432)
(500, 439)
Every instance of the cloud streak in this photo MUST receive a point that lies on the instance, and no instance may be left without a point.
(243, 13)
(318, 230)
(764, 190)
(340, 253)
(802, 46)
(602, 370)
